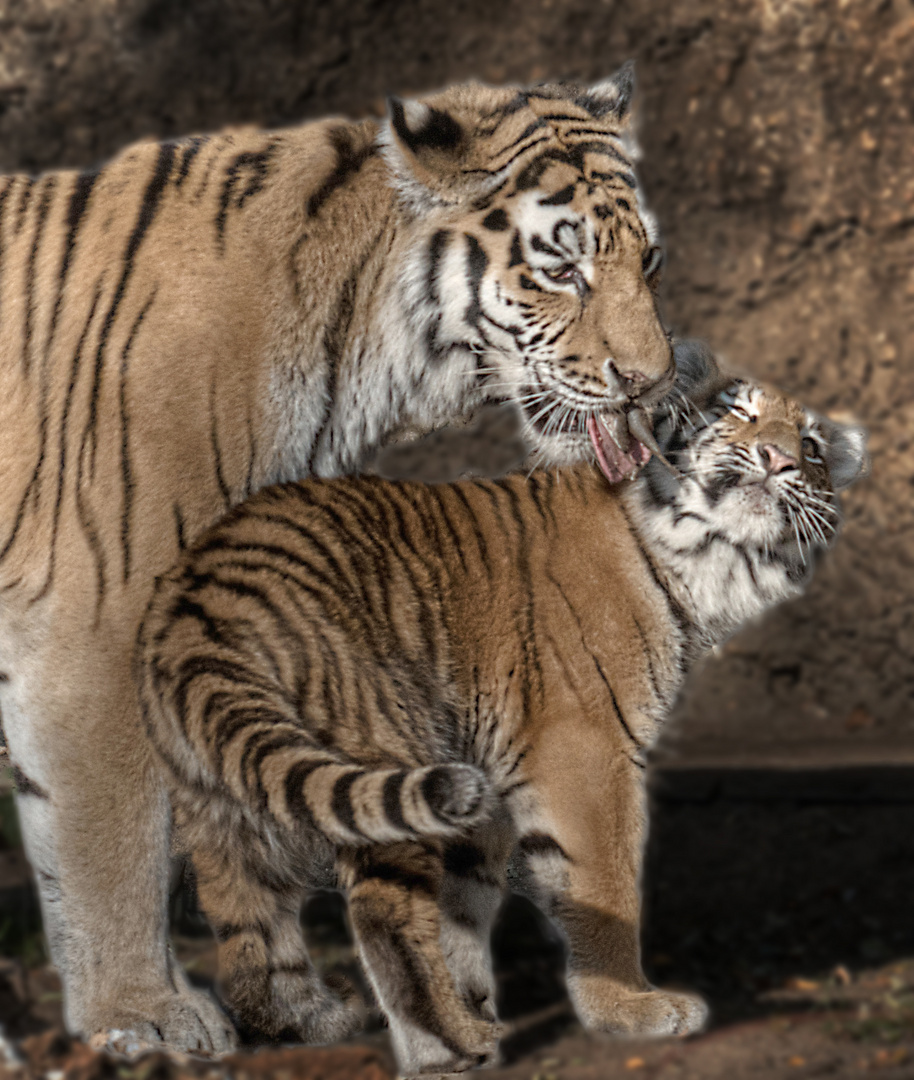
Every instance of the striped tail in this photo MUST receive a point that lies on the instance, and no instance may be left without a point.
(352, 806)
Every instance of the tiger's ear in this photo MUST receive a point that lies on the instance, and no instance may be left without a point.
(611, 96)
(424, 146)
(846, 455)
(421, 129)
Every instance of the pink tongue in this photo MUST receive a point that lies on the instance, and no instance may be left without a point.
(615, 463)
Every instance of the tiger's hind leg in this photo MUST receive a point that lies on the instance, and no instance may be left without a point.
(394, 894)
(471, 893)
(266, 978)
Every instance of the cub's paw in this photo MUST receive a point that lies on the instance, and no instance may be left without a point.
(290, 1005)
(473, 1044)
(188, 1021)
(649, 1012)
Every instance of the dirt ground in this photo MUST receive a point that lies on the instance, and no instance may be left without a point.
(779, 156)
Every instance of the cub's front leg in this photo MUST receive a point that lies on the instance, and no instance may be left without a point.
(582, 839)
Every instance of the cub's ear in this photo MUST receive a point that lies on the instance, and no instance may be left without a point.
(846, 455)
(611, 96)
(697, 371)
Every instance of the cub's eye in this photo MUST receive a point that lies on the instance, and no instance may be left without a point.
(811, 450)
(652, 264)
(738, 410)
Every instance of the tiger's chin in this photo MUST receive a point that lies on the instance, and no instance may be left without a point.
(602, 438)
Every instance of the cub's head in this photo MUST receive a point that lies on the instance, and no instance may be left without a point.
(535, 258)
(760, 471)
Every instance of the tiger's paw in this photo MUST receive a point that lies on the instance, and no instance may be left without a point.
(611, 1008)
(289, 1006)
(189, 1021)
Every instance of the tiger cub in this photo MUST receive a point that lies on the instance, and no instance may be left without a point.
(396, 689)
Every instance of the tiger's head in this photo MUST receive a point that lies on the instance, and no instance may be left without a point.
(535, 257)
(759, 476)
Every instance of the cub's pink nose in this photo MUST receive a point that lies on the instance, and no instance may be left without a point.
(776, 460)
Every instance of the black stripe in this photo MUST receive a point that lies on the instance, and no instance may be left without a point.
(179, 526)
(43, 206)
(496, 221)
(62, 465)
(341, 803)
(79, 202)
(392, 801)
(217, 449)
(500, 168)
(24, 196)
(4, 195)
(436, 249)
(525, 619)
(253, 165)
(147, 212)
(459, 492)
(615, 703)
(477, 262)
(349, 161)
(560, 198)
(191, 149)
(296, 778)
(126, 472)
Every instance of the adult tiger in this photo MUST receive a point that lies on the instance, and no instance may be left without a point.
(388, 687)
(201, 318)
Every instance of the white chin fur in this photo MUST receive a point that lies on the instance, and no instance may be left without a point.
(750, 515)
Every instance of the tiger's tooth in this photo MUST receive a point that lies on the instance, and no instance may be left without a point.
(639, 426)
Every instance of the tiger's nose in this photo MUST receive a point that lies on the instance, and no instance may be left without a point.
(775, 460)
(634, 383)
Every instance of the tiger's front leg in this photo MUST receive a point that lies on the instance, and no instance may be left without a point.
(582, 840)
(394, 894)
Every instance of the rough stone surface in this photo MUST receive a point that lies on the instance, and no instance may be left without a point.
(777, 138)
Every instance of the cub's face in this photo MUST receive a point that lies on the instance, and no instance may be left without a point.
(538, 257)
(759, 468)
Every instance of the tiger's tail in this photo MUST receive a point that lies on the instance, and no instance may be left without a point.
(353, 805)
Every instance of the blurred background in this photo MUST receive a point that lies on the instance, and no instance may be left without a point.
(779, 157)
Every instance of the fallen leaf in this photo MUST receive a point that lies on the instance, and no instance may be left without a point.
(635, 1063)
(859, 719)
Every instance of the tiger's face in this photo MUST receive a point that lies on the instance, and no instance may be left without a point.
(759, 469)
(538, 258)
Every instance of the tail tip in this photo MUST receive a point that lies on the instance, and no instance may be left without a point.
(457, 793)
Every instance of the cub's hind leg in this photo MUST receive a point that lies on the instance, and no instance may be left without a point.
(472, 890)
(265, 975)
(394, 893)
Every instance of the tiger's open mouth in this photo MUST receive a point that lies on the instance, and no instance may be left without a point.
(619, 452)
